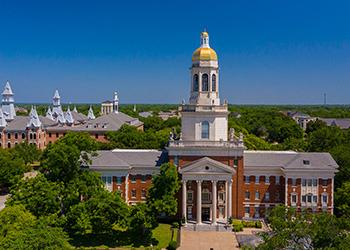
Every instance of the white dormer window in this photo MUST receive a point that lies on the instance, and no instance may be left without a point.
(306, 162)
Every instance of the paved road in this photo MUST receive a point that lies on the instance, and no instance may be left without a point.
(2, 201)
(191, 240)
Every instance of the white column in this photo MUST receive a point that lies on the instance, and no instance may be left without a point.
(184, 201)
(199, 202)
(286, 191)
(214, 192)
(126, 188)
(226, 201)
(229, 198)
(332, 198)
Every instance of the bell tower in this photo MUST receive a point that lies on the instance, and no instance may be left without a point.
(204, 74)
(204, 118)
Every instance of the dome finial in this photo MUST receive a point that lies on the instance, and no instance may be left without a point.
(205, 39)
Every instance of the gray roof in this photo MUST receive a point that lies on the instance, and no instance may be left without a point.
(289, 160)
(128, 158)
(78, 116)
(343, 123)
(19, 123)
(110, 122)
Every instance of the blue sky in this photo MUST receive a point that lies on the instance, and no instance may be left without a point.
(270, 52)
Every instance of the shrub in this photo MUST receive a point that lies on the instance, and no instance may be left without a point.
(237, 225)
(175, 224)
(249, 223)
(258, 224)
(172, 245)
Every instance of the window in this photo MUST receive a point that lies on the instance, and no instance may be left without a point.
(34, 135)
(133, 179)
(309, 182)
(9, 145)
(267, 196)
(8, 136)
(221, 196)
(247, 211)
(96, 136)
(294, 181)
(119, 180)
(257, 212)
(277, 198)
(133, 193)
(195, 83)
(205, 195)
(205, 82)
(205, 130)
(247, 195)
(267, 179)
(50, 135)
(314, 182)
(213, 82)
(16, 135)
(324, 182)
(246, 179)
(107, 180)
(257, 179)
(309, 198)
(190, 196)
(143, 178)
(314, 198)
(324, 199)
(306, 162)
(303, 198)
(143, 194)
(235, 162)
(277, 180)
(57, 135)
(257, 195)
(176, 160)
(304, 182)
(293, 199)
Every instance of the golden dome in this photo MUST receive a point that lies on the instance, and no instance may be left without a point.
(204, 54)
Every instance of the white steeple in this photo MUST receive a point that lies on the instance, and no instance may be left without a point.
(8, 107)
(116, 103)
(69, 117)
(49, 113)
(56, 103)
(205, 40)
(75, 109)
(34, 121)
(3, 121)
(60, 118)
(91, 115)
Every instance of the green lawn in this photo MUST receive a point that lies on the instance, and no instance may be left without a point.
(161, 234)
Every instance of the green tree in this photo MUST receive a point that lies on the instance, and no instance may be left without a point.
(11, 169)
(19, 229)
(142, 221)
(38, 195)
(342, 200)
(29, 153)
(315, 125)
(162, 193)
(103, 213)
(325, 139)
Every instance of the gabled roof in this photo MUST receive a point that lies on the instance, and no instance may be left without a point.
(201, 164)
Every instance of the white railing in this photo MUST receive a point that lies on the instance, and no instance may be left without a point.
(227, 144)
(202, 108)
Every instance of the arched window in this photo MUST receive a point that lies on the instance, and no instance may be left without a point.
(205, 82)
(213, 82)
(195, 83)
(205, 130)
(30, 136)
(23, 135)
(34, 136)
(9, 144)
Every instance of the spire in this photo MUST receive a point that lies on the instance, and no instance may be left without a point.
(116, 102)
(205, 40)
(56, 105)
(8, 107)
(49, 113)
(60, 118)
(134, 108)
(91, 115)
(34, 121)
(3, 121)
(75, 109)
(69, 117)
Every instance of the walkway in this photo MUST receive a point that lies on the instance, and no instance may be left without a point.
(2, 201)
(208, 240)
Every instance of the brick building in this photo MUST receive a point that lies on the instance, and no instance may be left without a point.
(220, 178)
(42, 130)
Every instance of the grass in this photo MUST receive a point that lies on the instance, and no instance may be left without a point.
(161, 236)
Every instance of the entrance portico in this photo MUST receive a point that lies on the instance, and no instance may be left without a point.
(207, 191)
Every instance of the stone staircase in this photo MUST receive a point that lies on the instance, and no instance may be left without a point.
(220, 227)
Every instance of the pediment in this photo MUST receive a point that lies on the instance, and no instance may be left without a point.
(206, 165)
